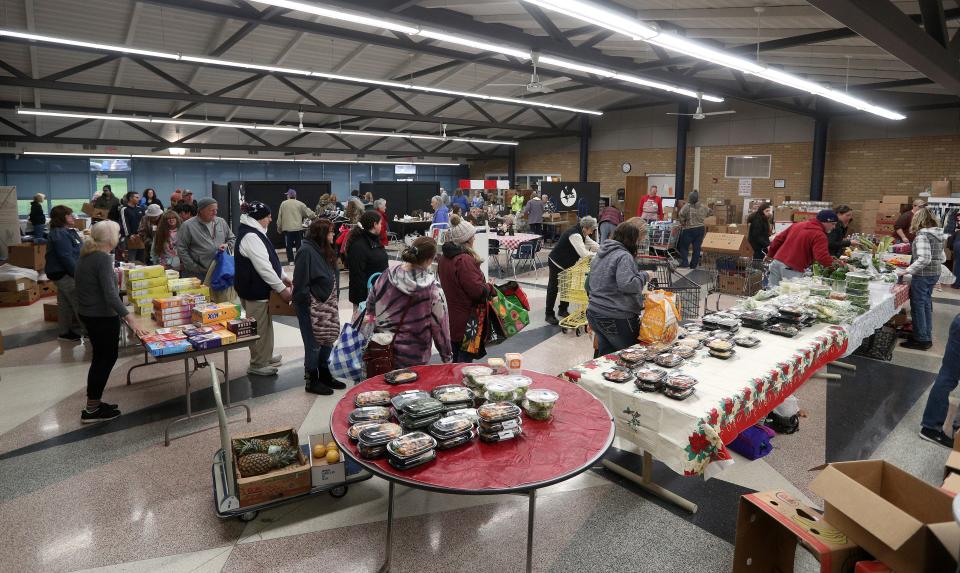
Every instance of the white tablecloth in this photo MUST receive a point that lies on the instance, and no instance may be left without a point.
(883, 306)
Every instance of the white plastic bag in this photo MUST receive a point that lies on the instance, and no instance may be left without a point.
(790, 407)
(946, 276)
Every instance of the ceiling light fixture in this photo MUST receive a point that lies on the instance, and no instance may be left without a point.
(177, 150)
(257, 126)
(638, 30)
(227, 158)
(346, 16)
(91, 45)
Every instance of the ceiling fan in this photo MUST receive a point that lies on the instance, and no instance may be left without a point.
(699, 114)
(535, 85)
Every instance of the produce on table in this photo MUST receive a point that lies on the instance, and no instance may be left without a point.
(333, 456)
(260, 446)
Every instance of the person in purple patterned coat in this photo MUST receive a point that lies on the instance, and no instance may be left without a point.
(407, 300)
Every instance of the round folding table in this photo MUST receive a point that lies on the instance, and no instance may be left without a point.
(547, 452)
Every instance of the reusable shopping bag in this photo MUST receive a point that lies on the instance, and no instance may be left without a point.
(346, 358)
(512, 290)
(754, 442)
(508, 314)
(660, 318)
(223, 272)
(227, 293)
(476, 332)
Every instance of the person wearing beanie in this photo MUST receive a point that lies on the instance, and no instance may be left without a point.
(692, 228)
(148, 227)
(799, 245)
(290, 218)
(175, 198)
(462, 282)
(201, 238)
(258, 273)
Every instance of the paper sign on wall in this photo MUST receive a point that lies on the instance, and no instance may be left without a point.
(745, 188)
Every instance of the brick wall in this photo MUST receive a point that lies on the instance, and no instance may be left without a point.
(856, 170)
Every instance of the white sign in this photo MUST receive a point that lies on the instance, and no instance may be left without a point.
(745, 188)
(568, 196)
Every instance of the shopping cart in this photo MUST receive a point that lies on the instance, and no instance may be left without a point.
(573, 290)
(225, 499)
(664, 236)
(658, 267)
(734, 275)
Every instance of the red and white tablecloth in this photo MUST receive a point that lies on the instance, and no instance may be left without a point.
(511, 242)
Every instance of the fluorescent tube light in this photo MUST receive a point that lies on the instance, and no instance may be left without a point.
(177, 150)
(599, 16)
(480, 45)
(568, 65)
(226, 158)
(337, 14)
(91, 45)
(244, 65)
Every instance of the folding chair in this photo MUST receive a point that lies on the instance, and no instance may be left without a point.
(493, 251)
(525, 253)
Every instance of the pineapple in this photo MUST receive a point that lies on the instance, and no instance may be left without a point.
(283, 442)
(260, 446)
(258, 464)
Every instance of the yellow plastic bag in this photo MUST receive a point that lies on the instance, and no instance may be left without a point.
(660, 318)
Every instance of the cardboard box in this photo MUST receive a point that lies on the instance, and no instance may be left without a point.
(708, 221)
(953, 464)
(88, 209)
(280, 308)
(80, 223)
(21, 298)
(740, 285)
(216, 312)
(952, 483)
(140, 284)
(28, 256)
(323, 473)
(900, 199)
(783, 214)
(138, 273)
(894, 516)
(50, 313)
(727, 244)
(285, 482)
(892, 208)
(940, 188)
(17, 285)
(871, 567)
(737, 229)
(47, 288)
(770, 527)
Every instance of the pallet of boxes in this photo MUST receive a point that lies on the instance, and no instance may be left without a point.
(879, 216)
(22, 281)
(726, 249)
(877, 518)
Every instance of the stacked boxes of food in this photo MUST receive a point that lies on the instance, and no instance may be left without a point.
(174, 310)
(242, 327)
(143, 284)
(216, 312)
(166, 341)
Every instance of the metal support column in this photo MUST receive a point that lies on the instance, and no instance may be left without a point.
(584, 145)
(819, 157)
(512, 167)
(683, 126)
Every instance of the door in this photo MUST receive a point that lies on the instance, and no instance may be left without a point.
(636, 187)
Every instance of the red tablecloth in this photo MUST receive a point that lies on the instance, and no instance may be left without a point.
(547, 452)
(512, 242)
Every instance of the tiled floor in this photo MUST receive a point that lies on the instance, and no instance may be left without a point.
(112, 498)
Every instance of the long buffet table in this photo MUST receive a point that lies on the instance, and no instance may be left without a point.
(691, 436)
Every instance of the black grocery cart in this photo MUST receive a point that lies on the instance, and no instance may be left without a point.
(225, 501)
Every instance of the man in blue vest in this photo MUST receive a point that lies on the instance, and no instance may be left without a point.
(258, 272)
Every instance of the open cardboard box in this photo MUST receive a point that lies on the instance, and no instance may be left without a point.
(770, 527)
(276, 484)
(727, 244)
(896, 517)
(324, 473)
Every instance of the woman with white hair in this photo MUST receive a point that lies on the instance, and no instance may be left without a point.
(573, 245)
(37, 218)
(380, 206)
(440, 212)
(100, 310)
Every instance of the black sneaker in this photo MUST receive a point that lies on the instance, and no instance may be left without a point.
(937, 437)
(70, 337)
(564, 313)
(916, 345)
(552, 319)
(101, 414)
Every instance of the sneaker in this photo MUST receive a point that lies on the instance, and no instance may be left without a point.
(276, 360)
(552, 319)
(101, 414)
(262, 371)
(937, 437)
(916, 345)
(327, 379)
(70, 336)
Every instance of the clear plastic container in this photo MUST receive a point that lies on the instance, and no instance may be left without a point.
(421, 408)
(684, 351)
(457, 406)
(680, 382)
(372, 398)
(520, 385)
(369, 414)
(479, 383)
(669, 360)
(493, 427)
(413, 462)
(470, 413)
(720, 345)
(456, 441)
(452, 394)
(746, 341)
(354, 431)
(403, 397)
(678, 394)
(497, 365)
(539, 403)
(402, 376)
(380, 434)
(856, 278)
(410, 423)
(498, 411)
(500, 391)
(618, 375)
(500, 436)
(446, 428)
(371, 452)
(410, 445)
(471, 373)
(632, 356)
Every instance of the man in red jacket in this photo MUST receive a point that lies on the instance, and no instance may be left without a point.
(795, 248)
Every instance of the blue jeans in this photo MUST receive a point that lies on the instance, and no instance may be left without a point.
(311, 350)
(921, 307)
(935, 413)
(606, 229)
(614, 334)
(292, 240)
(691, 238)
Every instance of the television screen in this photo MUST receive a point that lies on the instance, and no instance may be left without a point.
(109, 164)
(405, 169)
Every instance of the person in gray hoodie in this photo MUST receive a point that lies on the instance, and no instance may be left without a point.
(616, 291)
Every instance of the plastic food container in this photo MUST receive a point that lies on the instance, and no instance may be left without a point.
(500, 391)
(684, 351)
(503, 436)
(354, 431)
(618, 375)
(371, 452)
(856, 278)
(669, 360)
(446, 428)
(369, 414)
(520, 385)
(410, 445)
(493, 427)
(497, 365)
(680, 382)
(452, 394)
(498, 411)
(402, 376)
(632, 356)
(411, 423)
(539, 403)
(470, 413)
(380, 434)
(720, 345)
(471, 373)
(722, 354)
(783, 330)
(746, 341)
(479, 384)
(403, 397)
(514, 362)
(689, 343)
(679, 394)
(373, 398)
(456, 441)
(421, 407)
(410, 463)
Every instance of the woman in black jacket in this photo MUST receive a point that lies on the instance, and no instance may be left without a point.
(315, 297)
(37, 218)
(759, 233)
(365, 255)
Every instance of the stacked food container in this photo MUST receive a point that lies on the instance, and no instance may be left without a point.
(411, 450)
(373, 440)
(419, 413)
(499, 421)
(453, 431)
(454, 397)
